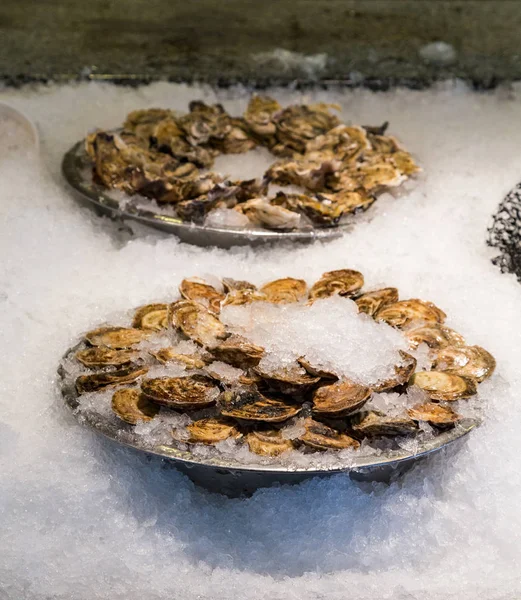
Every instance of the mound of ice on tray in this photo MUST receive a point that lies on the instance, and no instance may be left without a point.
(84, 519)
(329, 333)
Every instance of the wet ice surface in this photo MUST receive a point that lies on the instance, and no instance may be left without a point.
(84, 519)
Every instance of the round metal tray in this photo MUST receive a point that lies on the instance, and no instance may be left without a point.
(76, 164)
(230, 477)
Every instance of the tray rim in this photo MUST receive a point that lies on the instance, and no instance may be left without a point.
(394, 459)
(75, 159)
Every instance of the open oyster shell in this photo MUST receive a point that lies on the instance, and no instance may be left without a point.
(186, 393)
(344, 282)
(467, 361)
(212, 431)
(151, 316)
(116, 338)
(268, 442)
(339, 399)
(444, 386)
(322, 437)
(131, 406)
(284, 291)
(108, 379)
(99, 357)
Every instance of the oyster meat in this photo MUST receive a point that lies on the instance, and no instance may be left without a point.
(131, 406)
(261, 212)
(186, 393)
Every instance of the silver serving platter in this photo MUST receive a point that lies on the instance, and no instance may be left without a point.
(76, 167)
(232, 478)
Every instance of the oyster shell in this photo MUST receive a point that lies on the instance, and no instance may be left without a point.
(245, 296)
(375, 423)
(238, 352)
(259, 116)
(288, 380)
(284, 291)
(323, 209)
(191, 361)
(312, 173)
(212, 431)
(339, 399)
(403, 372)
(467, 361)
(314, 370)
(108, 379)
(344, 282)
(116, 338)
(186, 393)
(321, 437)
(197, 323)
(151, 316)
(405, 313)
(131, 406)
(99, 357)
(436, 415)
(435, 336)
(199, 291)
(260, 212)
(444, 386)
(371, 302)
(248, 404)
(269, 442)
(232, 285)
(342, 142)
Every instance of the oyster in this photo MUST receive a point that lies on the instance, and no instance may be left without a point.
(245, 296)
(108, 379)
(323, 209)
(375, 423)
(344, 282)
(404, 313)
(371, 302)
(467, 361)
(248, 404)
(435, 336)
(232, 285)
(315, 370)
(259, 117)
(288, 380)
(299, 124)
(321, 437)
(444, 386)
(212, 431)
(284, 291)
(238, 352)
(197, 323)
(268, 442)
(403, 372)
(116, 337)
(151, 316)
(131, 406)
(434, 414)
(99, 357)
(260, 212)
(186, 393)
(191, 361)
(199, 291)
(344, 143)
(311, 173)
(339, 399)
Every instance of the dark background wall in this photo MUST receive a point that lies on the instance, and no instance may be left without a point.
(375, 42)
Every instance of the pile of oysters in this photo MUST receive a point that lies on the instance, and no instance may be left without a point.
(258, 407)
(167, 157)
